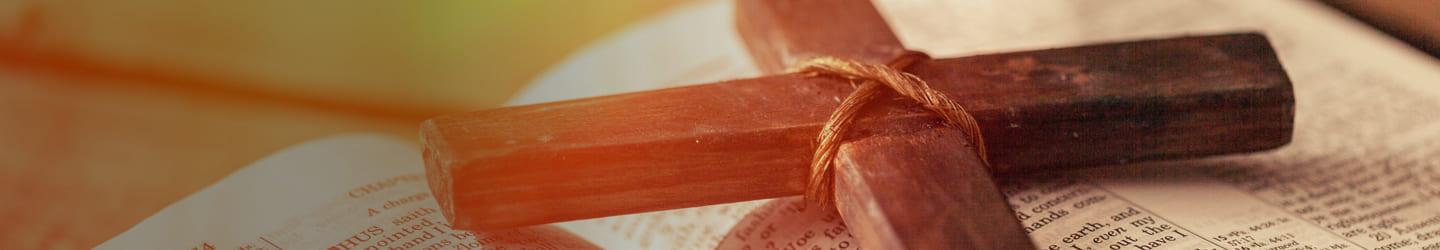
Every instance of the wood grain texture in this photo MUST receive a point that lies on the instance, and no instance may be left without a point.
(922, 190)
(780, 34)
(752, 139)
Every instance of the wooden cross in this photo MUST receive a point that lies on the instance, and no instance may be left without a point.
(904, 180)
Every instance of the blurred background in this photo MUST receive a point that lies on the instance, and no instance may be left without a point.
(110, 110)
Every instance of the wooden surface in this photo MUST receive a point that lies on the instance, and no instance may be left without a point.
(733, 141)
(923, 190)
(780, 34)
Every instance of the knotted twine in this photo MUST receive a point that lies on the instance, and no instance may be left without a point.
(872, 78)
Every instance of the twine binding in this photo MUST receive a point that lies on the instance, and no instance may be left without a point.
(873, 79)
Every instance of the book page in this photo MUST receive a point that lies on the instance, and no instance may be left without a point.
(368, 192)
(692, 44)
(349, 192)
(1360, 174)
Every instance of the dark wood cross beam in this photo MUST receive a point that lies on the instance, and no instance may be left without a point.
(896, 189)
(904, 180)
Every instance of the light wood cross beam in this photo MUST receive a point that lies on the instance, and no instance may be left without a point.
(904, 180)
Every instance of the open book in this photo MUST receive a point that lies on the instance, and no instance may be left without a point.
(1363, 171)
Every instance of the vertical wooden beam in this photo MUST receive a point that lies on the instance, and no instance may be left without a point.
(922, 190)
(780, 34)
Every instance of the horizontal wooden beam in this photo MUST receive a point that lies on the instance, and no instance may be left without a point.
(753, 138)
